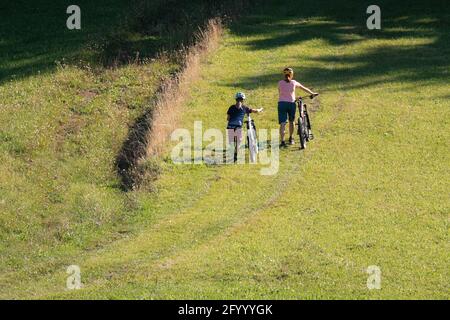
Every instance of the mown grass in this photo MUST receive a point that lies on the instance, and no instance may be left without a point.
(372, 189)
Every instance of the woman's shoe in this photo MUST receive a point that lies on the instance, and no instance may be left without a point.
(291, 141)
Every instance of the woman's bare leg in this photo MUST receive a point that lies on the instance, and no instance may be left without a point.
(282, 130)
(291, 129)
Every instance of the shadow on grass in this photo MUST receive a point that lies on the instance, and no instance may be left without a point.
(34, 36)
(343, 23)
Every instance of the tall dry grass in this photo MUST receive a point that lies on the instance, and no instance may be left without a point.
(175, 91)
(151, 131)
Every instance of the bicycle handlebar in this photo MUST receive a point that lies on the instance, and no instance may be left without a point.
(312, 96)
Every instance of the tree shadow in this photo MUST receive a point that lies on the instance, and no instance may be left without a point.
(343, 23)
(34, 35)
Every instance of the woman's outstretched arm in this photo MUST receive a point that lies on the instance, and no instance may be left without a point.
(299, 85)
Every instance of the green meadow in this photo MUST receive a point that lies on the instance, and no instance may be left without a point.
(372, 189)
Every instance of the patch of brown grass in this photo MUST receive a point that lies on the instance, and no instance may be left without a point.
(175, 91)
(150, 132)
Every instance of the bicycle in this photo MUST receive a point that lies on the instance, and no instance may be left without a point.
(252, 139)
(303, 123)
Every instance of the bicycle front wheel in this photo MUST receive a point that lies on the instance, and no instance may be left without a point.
(252, 146)
(302, 132)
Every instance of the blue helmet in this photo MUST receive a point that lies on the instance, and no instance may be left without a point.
(240, 95)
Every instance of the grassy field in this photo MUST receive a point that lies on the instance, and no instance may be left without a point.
(372, 189)
(63, 119)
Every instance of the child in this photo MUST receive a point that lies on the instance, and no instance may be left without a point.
(235, 118)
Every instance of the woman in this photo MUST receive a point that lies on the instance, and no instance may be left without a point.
(286, 103)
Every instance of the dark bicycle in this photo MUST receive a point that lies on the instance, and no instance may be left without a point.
(304, 124)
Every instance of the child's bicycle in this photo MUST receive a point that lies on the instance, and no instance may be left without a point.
(252, 139)
(304, 124)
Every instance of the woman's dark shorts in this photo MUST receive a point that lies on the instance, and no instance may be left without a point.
(286, 109)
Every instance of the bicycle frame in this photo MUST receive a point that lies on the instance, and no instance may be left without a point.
(252, 139)
(301, 105)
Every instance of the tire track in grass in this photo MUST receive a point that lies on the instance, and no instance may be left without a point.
(8, 279)
(285, 182)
